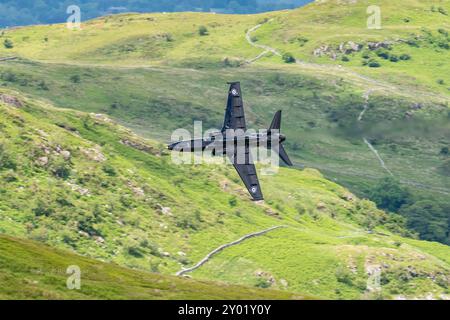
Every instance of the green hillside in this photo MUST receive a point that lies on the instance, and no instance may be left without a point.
(81, 182)
(29, 270)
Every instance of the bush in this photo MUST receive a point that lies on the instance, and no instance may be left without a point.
(442, 11)
(6, 161)
(405, 56)
(444, 151)
(203, 31)
(42, 209)
(42, 85)
(429, 218)
(389, 194)
(288, 58)
(343, 276)
(61, 169)
(382, 53)
(262, 283)
(8, 44)
(109, 170)
(393, 58)
(75, 78)
(9, 76)
(440, 81)
(232, 202)
(374, 64)
(345, 58)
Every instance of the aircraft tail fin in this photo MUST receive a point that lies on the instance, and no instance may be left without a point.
(283, 155)
(276, 125)
(276, 122)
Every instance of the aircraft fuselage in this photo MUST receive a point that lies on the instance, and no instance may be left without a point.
(223, 142)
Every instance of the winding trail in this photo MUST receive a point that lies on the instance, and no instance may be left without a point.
(224, 246)
(266, 49)
(304, 64)
(366, 97)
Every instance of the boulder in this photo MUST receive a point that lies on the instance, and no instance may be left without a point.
(11, 100)
(65, 154)
(42, 161)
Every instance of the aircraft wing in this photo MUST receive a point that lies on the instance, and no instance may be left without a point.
(247, 172)
(234, 114)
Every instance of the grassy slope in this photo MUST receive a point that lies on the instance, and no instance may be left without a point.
(112, 209)
(309, 105)
(29, 270)
(141, 40)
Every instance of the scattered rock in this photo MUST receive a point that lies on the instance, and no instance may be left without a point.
(164, 210)
(416, 106)
(348, 197)
(99, 239)
(11, 100)
(42, 161)
(165, 254)
(284, 283)
(83, 233)
(321, 206)
(181, 253)
(65, 154)
(94, 154)
(77, 188)
(137, 145)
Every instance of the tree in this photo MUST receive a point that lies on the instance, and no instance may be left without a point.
(8, 44)
(430, 219)
(203, 31)
(288, 57)
(389, 194)
(75, 78)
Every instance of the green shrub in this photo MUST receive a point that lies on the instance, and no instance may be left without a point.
(389, 194)
(343, 276)
(442, 11)
(262, 283)
(393, 58)
(8, 44)
(60, 169)
(288, 57)
(42, 209)
(9, 76)
(405, 56)
(232, 202)
(75, 78)
(109, 170)
(203, 31)
(42, 85)
(374, 64)
(345, 59)
(382, 53)
(6, 161)
(444, 151)
(440, 81)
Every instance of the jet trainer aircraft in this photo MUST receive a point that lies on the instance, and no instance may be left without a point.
(234, 142)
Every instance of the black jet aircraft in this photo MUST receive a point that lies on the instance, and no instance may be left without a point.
(233, 137)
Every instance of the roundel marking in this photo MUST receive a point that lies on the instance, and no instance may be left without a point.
(254, 189)
(234, 92)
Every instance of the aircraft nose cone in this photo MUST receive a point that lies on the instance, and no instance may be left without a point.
(171, 146)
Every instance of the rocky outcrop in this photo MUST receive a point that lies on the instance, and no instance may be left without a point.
(11, 100)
